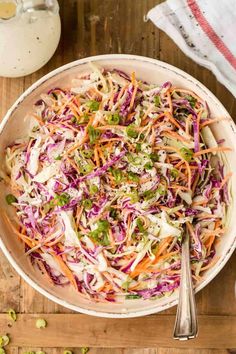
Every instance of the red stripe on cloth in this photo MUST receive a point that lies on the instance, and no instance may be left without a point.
(207, 28)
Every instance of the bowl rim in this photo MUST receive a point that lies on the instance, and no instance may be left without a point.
(97, 58)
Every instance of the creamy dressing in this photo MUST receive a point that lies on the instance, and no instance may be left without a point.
(27, 40)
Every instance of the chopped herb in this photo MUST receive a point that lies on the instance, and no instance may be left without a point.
(93, 134)
(134, 159)
(100, 234)
(154, 157)
(138, 147)
(2, 351)
(73, 119)
(41, 323)
(131, 132)
(4, 340)
(132, 296)
(86, 168)
(187, 154)
(174, 173)
(117, 174)
(142, 136)
(59, 157)
(10, 198)
(157, 101)
(84, 350)
(134, 198)
(62, 199)
(126, 284)
(113, 119)
(12, 314)
(67, 352)
(133, 176)
(192, 100)
(161, 190)
(93, 189)
(93, 105)
(113, 213)
(88, 153)
(148, 166)
(87, 203)
(139, 223)
(147, 195)
(84, 118)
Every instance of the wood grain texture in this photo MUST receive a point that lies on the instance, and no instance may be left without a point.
(92, 27)
(75, 330)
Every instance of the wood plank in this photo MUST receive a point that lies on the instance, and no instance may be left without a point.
(9, 284)
(79, 330)
(22, 350)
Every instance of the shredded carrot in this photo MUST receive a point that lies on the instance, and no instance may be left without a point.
(215, 149)
(65, 270)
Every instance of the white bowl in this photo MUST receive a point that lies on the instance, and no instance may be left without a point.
(13, 126)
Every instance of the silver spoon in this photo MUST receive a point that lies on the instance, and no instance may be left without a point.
(186, 326)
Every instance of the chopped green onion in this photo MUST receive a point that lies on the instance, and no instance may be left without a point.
(41, 323)
(10, 198)
(93, 134)
(84, 350)
(154, 157)
(113, 213)
(132, 296)
(187, 154)
(126, 284)
(84, 119)
(87, 203)
(192, 100)
(93, 105)
(4, 340)
(113, 119)
(134, 159)
(87, 153)
(67, 352)
(100, 235)
(148, 166)
(138, 147)
(59, 157)
(142, 136)
(174, 173)
(139, 223)
(2, 351)
(86, 168)
(73, 119)
(12, 314)
(103, 225)
(161, 190)
(157, 101)
(149, 195)
(134, 198)
(133, 176)
(131, 132)
(93, 189)
(117, 174)
(62, 199)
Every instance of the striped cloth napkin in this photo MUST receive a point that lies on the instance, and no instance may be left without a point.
(205, 30)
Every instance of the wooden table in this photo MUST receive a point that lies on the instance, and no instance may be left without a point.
(92, 27)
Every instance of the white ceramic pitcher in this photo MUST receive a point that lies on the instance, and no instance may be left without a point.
(29, 34)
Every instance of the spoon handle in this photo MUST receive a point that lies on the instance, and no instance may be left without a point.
(186, 326)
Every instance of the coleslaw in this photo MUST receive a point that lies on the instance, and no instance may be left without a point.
(113, 173)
